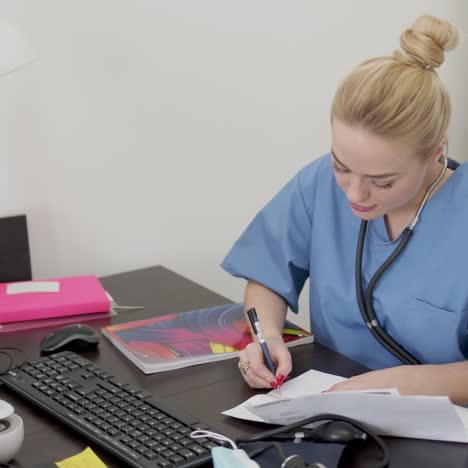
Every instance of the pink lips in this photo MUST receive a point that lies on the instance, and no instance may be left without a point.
(362, 209)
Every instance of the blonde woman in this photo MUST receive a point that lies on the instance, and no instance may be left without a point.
(386, 175)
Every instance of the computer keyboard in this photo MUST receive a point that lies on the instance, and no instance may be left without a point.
(128, 422)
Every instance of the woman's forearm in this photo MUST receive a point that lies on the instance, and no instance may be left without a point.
(271, 308)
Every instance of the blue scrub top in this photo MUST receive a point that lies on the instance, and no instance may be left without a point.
(309, 230)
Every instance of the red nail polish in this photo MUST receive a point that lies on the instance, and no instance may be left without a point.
(274, 385)
(280, 379)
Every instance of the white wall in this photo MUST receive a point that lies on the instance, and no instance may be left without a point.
(150, 132)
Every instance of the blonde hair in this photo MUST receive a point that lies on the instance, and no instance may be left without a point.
(402, 96)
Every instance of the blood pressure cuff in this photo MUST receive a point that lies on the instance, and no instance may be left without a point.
(330, 455)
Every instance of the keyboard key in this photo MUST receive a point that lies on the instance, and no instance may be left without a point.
(187, 454)
(185, 441)
(73, 396)
(113, 431)
(197, 449)
(150, 443)
(125, 439)
(150, 455)
(176, 459)
(167, 453)
(162, 462)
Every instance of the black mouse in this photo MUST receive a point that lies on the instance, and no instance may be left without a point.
(75, 337)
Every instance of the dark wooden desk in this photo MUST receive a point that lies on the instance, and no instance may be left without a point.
(203, 390)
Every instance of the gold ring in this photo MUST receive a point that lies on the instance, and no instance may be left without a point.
(244, 366)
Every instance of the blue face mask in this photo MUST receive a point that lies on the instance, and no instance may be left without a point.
(226, 457)
(231, 458)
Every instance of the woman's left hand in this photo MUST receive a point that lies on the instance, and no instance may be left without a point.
(427, 379)
(409, 380)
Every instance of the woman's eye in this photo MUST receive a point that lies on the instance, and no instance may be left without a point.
(338, 169)
(384, 186)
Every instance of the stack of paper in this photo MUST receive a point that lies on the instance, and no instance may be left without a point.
(387, 412)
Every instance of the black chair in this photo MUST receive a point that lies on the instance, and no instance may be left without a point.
(15, 260)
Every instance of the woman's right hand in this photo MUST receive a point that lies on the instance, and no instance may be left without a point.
(258, 375)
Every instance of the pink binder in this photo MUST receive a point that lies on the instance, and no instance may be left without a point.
(76, 295)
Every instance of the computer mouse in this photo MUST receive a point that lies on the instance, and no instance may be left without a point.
(76, 337)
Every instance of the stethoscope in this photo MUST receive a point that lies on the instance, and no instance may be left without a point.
(336, 430)
(365, 301)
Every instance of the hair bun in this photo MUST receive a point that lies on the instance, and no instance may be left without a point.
(426, 41)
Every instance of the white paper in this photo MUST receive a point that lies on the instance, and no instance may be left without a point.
(33, 287)
(311, 382)
(421, 417)
(463, 415)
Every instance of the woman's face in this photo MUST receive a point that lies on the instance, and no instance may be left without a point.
(377, 175)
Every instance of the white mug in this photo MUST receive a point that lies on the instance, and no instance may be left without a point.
(11, 432)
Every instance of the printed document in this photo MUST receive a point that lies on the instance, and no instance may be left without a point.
(387, 412)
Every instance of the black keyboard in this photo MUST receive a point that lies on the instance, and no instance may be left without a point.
(126, 421)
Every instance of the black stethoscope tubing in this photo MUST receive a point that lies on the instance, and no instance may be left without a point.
(365, 302)
(365, 305)
(300, 425)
